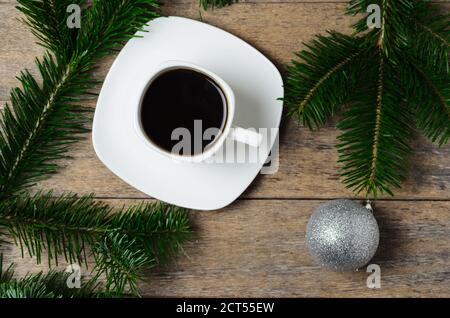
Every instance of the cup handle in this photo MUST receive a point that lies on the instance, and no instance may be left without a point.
(246, 136)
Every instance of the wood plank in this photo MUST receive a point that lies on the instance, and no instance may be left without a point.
(277, 29)
(278, 38)
(308, 169)
(308, 160)
(256, 248)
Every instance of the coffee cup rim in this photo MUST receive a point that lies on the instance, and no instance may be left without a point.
(230, 104)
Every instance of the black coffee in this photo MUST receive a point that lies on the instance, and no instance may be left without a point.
(177, 98)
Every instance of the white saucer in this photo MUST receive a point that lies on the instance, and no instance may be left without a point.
(257, 85)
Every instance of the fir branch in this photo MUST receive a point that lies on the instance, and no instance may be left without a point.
(375, 143)
(120, 258)
(430, 95)
(61, 226)
(37, 129)
(410, 77)
(141, 236)
(47, 20)
(40, 285)
(319, 85)
(392, 34)
(431, 33)
(157, 228)
(5, 275)
(65, 225)
(42, 121)
(122, 243)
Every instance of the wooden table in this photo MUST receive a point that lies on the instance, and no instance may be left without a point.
(256, 246)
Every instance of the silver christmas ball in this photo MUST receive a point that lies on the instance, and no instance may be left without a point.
(342, 235)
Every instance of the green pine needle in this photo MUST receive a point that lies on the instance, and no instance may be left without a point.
(37, 128)
(141, 236)
(43, 120)
(325, 78)
(376, 126)
(122, 243)
(61, 226)
(431, 33)
(392, 34)
(121, 259)
(40, 285)
(47, 20)
(384, 79)
(158, 228)
(5, 275)
(430, 93)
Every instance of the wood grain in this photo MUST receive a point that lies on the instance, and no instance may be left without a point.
(308, 166)
(308, 169)
(256, 247)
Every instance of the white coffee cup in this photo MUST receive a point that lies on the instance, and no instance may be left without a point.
(229, 130)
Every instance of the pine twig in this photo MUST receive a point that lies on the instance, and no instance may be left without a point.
(42, 121)
(318, 87)
(374, 145)
(39, 125)
(122, 243)
(400, 76)
(40, 285)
